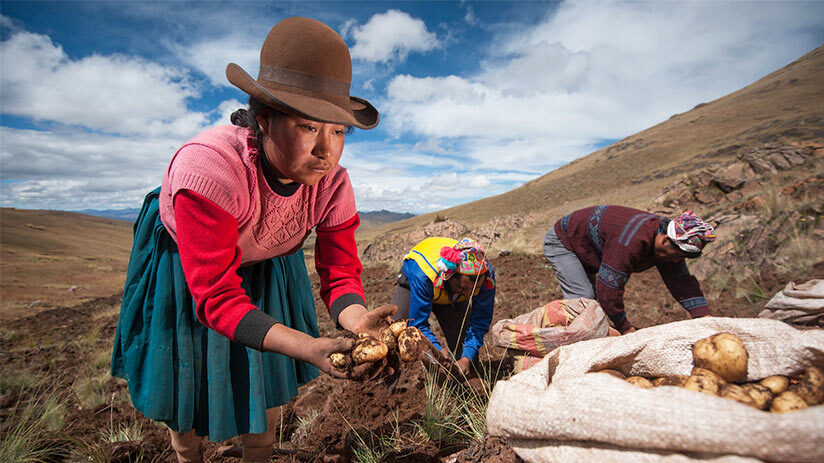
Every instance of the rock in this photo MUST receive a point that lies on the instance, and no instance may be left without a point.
(733, 176)
(703, 197)
(779, 161)
(504, 253)
(758, 164)
(735, 196)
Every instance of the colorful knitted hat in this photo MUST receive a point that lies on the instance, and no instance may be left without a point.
(690, 233)
(466, 256)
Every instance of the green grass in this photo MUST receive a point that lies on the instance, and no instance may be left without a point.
(25, 432)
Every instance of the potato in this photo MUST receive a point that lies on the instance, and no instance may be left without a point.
(398, 327)
(410, 344)
(388, 338)
(776, 384)
(674, 380)
(738, 394)
(762, 395)
(722, 353)
(811, 386)
(612, 372)
(341, 360)
(787, 401)
(704, 381)
(640, 381)
(369, 349)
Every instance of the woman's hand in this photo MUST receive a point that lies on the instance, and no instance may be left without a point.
(319, 350)
(357, 319)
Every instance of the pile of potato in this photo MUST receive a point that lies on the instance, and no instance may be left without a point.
(720, 366)
(398, 343)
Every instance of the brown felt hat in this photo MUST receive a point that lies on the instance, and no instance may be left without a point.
(305, 70)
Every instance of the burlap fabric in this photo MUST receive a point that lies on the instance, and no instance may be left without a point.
(561, 410)
(797, 303)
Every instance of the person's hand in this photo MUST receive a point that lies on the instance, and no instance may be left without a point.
(372, 321)
(319, 349)
(629, 330)
(463, 363)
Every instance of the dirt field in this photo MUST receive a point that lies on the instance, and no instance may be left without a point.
(331, 420)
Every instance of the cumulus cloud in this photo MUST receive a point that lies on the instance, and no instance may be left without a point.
(391, 36)
(598, 70)
(211, 56)
(116, 94)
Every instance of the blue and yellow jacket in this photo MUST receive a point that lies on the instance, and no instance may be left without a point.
(421, 271)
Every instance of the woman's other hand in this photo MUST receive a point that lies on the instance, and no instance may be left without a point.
(357, 319)
(320, 349)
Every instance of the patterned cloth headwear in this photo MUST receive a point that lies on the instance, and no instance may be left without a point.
(466, 256)
(690, 233)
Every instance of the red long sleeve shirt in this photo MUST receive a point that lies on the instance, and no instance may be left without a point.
(207, 242)
(612, 242)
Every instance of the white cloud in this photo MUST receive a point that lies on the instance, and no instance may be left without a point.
(116, 94)
(211, 56)
(479, 181)
(597, 70)
(391, 36)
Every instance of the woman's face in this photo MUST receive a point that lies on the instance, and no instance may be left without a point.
(301, 150)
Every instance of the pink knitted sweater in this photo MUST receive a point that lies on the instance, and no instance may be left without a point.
(222, 165)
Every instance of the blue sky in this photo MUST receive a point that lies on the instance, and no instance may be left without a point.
(476, 98)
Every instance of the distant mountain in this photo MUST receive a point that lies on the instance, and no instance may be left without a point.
(383, 216)
(129, 215)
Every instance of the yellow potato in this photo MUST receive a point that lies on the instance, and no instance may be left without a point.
(723, 353)
(340, 360)
(704, 381)
(398, 327)
(787, 401)
(640, 381)
(776, 384)
(674, 380)
(389, 338)
(761, 395)
(811, 386)
(369, 349)
(410, 344)
(738, 394)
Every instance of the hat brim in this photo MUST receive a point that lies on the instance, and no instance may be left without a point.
(360, 113)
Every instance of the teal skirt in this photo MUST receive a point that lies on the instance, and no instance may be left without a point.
(186, 375)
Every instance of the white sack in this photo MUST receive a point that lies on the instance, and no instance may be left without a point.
(582, 416)
(801, 304)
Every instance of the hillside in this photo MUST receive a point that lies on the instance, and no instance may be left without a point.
(53, 258)
(787, 106)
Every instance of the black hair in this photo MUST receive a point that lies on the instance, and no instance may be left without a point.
(248, 117)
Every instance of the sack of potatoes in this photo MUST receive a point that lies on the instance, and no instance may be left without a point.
(720, 369)
(399, 344)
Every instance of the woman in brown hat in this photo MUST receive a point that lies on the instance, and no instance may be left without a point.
(217, 326)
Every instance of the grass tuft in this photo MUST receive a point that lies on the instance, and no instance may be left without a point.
(25, 431)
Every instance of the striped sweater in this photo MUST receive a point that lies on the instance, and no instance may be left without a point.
(612, 242)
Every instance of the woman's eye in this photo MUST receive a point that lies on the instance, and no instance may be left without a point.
(340, 132)
(310, 128)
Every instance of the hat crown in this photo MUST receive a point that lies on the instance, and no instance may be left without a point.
(308, 47)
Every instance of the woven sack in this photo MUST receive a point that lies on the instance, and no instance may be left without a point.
(562, 410)
(554, 324)
(797, 304)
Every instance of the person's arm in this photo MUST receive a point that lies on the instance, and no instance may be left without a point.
(210, 257)
(479, 321)
(685, 288)
(421, 294)
(339, 268)
(610, 281)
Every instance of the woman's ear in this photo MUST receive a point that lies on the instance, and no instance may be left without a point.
(263, 122)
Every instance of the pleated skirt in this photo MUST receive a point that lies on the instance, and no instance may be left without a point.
(186, 375)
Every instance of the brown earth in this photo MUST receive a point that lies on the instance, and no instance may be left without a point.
(57, 346)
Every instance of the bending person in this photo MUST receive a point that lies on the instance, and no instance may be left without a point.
(441, 276)
(217, 327)
(595, 250)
